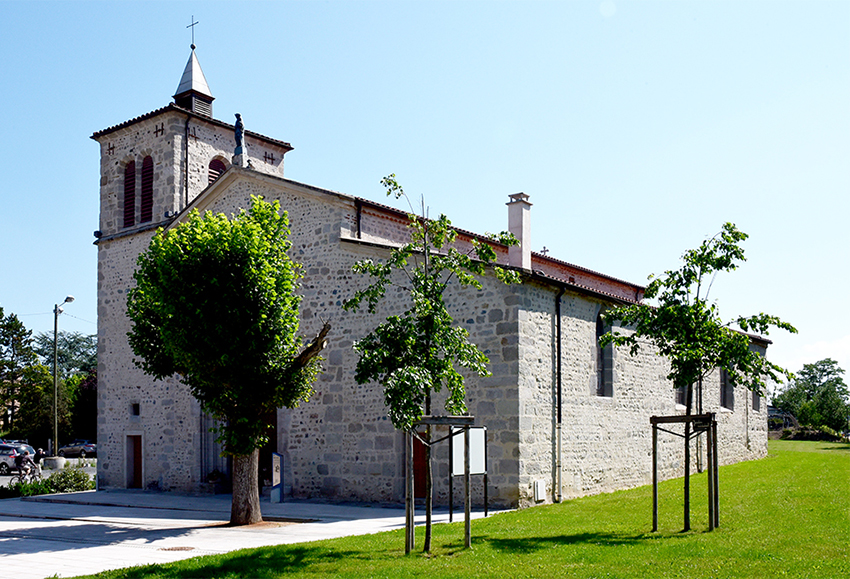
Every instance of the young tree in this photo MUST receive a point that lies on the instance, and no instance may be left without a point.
(215, 302)
(687, 329)
(818, 396)
(417, 353)
(16, 355)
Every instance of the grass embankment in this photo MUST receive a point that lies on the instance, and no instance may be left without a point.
(785, 516)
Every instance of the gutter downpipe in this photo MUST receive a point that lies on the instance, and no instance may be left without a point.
(559, 393)
(186, 168)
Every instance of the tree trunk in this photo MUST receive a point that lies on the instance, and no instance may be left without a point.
(429, 481)
(245, 508)
(429, 492)
(687, 490)
(699, 435)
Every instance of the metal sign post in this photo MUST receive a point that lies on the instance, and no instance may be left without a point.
(477, 460)
(452, 421)
(277, 478)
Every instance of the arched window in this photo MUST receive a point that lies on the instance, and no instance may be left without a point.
(604, 362)
(130, 194)
(147, 190)
(217, 167)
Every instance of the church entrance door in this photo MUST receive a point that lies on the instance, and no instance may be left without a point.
(134, 461)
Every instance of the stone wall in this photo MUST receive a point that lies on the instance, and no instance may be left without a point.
(340, 444)
(168, 416)
(606, 442)
(164, 138)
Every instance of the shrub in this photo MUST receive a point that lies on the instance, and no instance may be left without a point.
(37, 487)
(830, 432)
(71, 479)
(8, 493)
(68, 480)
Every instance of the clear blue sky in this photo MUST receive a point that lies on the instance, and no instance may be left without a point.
(637, 128)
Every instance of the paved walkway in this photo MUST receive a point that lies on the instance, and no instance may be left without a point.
(83, 533)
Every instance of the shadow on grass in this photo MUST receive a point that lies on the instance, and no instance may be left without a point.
(263, 562)
(845, 446)
(526, 545)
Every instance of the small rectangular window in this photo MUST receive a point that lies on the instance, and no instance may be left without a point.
(135, 409)
(756, 402)
(604, 363)
(680, 395)
(727, 391)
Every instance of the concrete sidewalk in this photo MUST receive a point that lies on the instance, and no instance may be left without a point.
(83, 533)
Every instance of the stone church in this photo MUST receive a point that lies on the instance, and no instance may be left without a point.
(564, 418)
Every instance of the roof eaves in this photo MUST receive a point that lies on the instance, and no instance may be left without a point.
(542, 257)
(175, 108)
(542, 276)
(133, 231)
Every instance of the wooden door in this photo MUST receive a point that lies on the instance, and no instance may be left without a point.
(419, 466)
(134, 461)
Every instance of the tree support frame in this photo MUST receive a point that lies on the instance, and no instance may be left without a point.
(706, 423)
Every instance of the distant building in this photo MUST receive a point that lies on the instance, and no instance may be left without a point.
(540, 336)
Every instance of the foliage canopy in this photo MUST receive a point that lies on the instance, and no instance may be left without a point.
(418, 352)
(686, 328)
(16, 356)
(26, 385)
(76, 353)
(215, 302)
(818, 396)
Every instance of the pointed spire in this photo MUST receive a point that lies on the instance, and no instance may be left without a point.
(193, 93)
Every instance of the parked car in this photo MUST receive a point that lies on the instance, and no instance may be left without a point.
(79, 447)
(23, 446)
(7, 458)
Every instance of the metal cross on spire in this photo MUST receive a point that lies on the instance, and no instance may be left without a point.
(192, 26)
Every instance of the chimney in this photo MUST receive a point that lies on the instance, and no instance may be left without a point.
(519, 223)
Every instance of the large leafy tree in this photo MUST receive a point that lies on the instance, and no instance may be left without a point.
(687, 329)
(76, 353)
(34, 419)
(76, 356)
(818, 396)
(82, 390)
(419, 352)
(215, 302)
(16, 355)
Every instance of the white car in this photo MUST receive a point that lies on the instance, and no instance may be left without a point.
(7, 458)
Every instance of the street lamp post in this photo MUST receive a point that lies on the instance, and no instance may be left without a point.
(56, 311)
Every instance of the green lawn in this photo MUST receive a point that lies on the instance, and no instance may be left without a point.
(785, 516)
